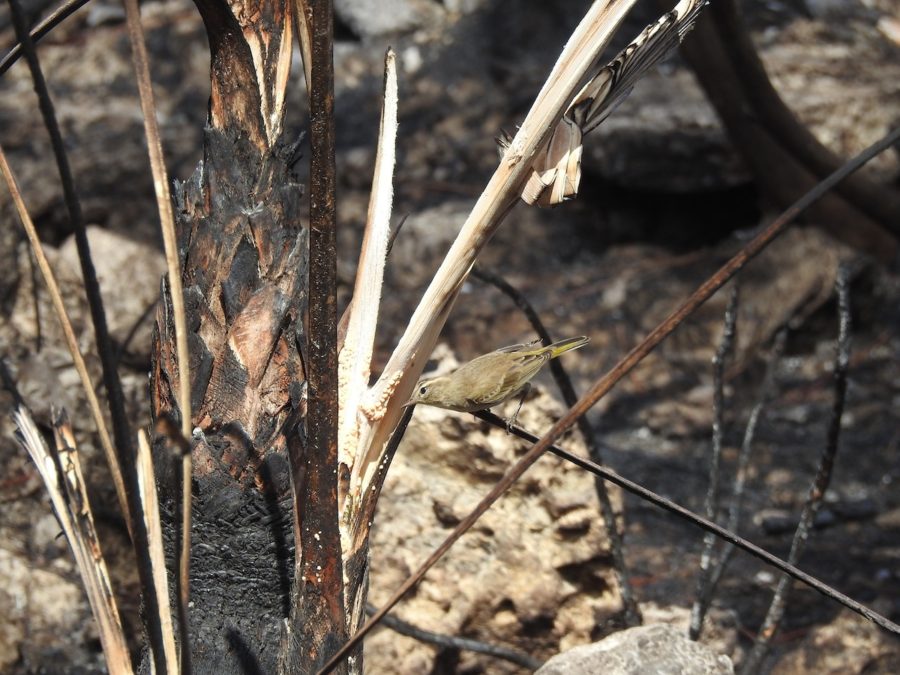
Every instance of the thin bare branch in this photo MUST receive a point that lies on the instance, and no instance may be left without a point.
(395, 233)
(703, 600)
(318, 616)
(62, 476)
(370, 498)
(564, 383)
(711, 502)
(819, 484)
(62, 13)
(602, 386)
(126, 342)
(36, 306)
(10, 384)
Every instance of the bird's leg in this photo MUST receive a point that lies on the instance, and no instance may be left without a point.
(510, 422)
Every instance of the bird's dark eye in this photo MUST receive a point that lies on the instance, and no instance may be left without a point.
(423, 390)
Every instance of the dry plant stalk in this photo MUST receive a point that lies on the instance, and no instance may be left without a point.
(64, 481)
(150, 513)
(303, 17)
(355, 359)
(173, 265)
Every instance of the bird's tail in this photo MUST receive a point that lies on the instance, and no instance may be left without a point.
(566, 345)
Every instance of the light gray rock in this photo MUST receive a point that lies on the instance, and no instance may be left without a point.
(368, 18)
(464, 6)
(129, 274)
(646, 650)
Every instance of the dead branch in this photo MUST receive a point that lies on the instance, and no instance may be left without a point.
(318, 614)
(820, 482)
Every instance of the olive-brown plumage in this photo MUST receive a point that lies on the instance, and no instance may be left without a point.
(490, 379)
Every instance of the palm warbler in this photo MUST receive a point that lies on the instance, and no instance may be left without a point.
(490, 379)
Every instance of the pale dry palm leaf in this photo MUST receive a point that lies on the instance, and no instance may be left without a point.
(557, 171)
(63, 478)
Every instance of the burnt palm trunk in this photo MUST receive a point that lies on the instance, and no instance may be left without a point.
(244, 250)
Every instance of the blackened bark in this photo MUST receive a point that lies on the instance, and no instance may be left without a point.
(244, 270)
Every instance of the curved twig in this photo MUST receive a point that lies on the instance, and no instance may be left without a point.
(454, 642)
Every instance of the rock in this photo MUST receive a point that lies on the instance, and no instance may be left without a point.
(56, 635)
(645, 650)
(129, 274)
(368, 18)
(721, 628)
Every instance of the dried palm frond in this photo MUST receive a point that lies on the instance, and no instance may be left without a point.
(557, 170)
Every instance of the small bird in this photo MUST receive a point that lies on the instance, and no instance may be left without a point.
(490, 379)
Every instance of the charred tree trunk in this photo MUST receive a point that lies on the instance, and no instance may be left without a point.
(245, 260)
(245, 265)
